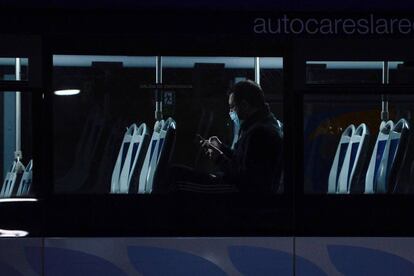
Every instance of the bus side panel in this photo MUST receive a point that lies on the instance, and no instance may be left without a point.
(354, 256)
(169, 256)
(20, 256)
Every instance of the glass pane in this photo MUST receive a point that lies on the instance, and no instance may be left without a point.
(353, 145)
(96, 99)
(344, 72)
(95, 150)
(271, 80)
(401, 72)
(8, 68)
(16, 146)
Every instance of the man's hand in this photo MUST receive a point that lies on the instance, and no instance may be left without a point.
(215, 142)
(212, 147)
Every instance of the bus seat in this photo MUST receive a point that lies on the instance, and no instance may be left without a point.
(139, 151)
(393, 155)
(160, 180)
(377, 156)
(341, 152)
(13, 176)
(164, 150)
(26, 181)
(86, 151)
(108, 158)
(151, 152)
(129, 158)
(401, 178)
(354, 159)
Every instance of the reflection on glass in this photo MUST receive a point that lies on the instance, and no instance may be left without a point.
(353, 145)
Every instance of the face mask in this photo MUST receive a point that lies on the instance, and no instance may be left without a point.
(235, 118)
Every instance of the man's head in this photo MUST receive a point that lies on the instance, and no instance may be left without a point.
(245, 98)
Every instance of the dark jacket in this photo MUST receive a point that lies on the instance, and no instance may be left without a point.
(255, 164)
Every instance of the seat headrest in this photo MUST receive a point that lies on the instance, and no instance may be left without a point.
(158, 126)
(169, 123)
(142, 130)
(386, 127)
(401, 125)
(361, 130)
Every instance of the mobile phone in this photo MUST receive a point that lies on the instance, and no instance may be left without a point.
(215, 148)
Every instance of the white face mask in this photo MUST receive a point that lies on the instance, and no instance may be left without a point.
(235, 118)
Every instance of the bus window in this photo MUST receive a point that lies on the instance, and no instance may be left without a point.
(142, 125)
(358, 144)
(401, 72)
(203, 112)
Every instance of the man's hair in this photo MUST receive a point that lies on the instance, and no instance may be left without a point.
(249, 91)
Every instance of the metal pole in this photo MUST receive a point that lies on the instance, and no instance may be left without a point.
(257, 70)
(158, 92)
(385, 81)
(18, 152)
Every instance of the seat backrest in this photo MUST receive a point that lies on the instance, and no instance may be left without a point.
(119, 164)
(377, 156)
(160, 180)
(138, 152)
(163, 145)
(401, 178)
(88, 142)
(354, 158)
(26, 181)
(394, 151)
(8, 182)
(87, 152)
(137, 148)
(150, 156)
(13, 176)
(133, 146)
(341, 152)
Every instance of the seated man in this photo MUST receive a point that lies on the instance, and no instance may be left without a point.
(255, 163)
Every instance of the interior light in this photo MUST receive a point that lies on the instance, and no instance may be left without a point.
(2, 200)
(13, 233)
(67, 92)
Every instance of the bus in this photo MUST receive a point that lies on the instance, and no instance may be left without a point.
(99, 104)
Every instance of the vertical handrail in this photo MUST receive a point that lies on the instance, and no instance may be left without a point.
(158, 91)
(257, 70)
(18, 152)
(384, 99)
